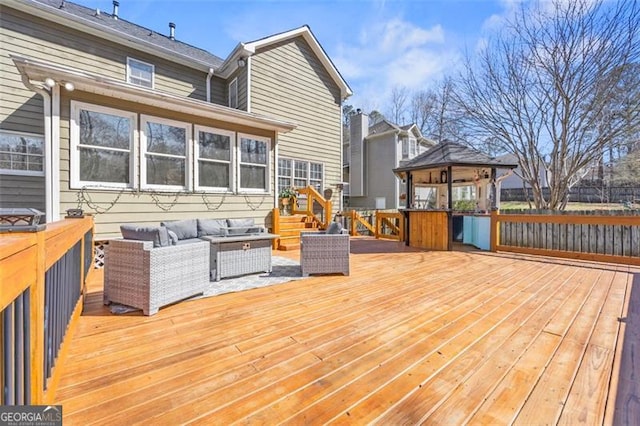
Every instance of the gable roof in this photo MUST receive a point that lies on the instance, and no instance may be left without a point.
(104, 25)
(385, 125)
(452, 154)
(250, 48)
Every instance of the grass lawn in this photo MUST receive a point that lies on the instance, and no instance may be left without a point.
(508, 205)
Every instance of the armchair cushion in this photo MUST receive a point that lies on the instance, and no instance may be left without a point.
(211, 227)
(158, 234)
(334, 228)
(173, 237)
(184, 229)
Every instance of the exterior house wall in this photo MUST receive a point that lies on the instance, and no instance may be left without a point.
(289, 82)
(131, 206)
(380, 159)
(22, 191)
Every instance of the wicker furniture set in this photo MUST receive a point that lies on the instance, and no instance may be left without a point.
(325, 252)
(155, 266)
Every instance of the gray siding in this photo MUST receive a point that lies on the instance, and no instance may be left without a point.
(22, 34)
(380, 159)
(289, 82)
(22, 191)
(150, 207)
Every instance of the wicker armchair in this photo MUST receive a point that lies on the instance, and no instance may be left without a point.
(322, 253)
(146, 277)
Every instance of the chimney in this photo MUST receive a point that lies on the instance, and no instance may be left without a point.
(358, 130)
(116, 4)
(172, 31)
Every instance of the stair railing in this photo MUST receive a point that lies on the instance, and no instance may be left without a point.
(314, 199)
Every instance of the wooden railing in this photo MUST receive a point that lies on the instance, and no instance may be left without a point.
(603, 238)
(380, 224)
(316, 207)
(42, 275)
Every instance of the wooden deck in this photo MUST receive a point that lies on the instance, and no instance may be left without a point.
(409, 337)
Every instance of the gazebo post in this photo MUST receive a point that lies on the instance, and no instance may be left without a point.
(494, 190)
(408, 206)
(450, 207)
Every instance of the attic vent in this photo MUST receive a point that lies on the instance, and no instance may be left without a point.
(116, 4)
(61, 5)
(172, 31)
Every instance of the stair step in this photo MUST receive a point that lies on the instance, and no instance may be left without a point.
(289, 246)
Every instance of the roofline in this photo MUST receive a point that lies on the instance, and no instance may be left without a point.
(248, 49)
(37, 71)
(62, 17)
(441, 165)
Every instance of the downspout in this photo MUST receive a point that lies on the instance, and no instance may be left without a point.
(50, 212)
(249, 84)
(208, 81)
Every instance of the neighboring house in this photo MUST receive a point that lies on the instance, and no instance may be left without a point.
(137, 127)
(514, 181)
(370, 157)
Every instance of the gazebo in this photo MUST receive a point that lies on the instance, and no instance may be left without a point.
(431, 222)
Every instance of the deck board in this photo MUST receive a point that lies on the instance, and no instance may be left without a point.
(409, 337)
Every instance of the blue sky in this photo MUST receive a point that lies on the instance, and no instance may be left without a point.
(376, 44)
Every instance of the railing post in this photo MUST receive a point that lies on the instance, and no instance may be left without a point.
(494, 236)
(353, 223)
(36, 318)
(276, 227)
(377, 233)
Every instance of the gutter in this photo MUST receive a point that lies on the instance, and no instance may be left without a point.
(208, 83)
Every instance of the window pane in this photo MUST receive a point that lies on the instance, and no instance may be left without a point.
(283, 182)
(106, 130)
(166, 139)
(97, 165)
(316, 171)
(301, 170)
(140, 73)
(253, 177)
(165, 171)
(213, 174)
(21, 152)
(284, 167)
(35, 163)
(253, 151)
(214, 147)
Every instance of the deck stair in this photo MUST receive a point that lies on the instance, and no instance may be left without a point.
(290, 229)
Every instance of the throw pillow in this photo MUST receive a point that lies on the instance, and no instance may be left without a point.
(173, 237)
(158, 234)
(211, 227)
(184, 229)
(334, 228)
(240, 226)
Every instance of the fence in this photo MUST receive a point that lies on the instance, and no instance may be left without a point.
(377, 223)
(605, 236)
(582, 194)
(42, 275)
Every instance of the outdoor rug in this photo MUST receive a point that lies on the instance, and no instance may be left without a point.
(283, 270)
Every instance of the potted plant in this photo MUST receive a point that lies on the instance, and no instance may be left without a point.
(287, 195)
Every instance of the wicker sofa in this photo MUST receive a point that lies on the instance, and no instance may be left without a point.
(325, 252)
(153, 266)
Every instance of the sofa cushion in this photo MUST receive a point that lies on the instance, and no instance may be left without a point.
(189, 241)
(211, 227)
(184, 229)
(158, 234)
(240, 226)
(173, 237)
(334, 228)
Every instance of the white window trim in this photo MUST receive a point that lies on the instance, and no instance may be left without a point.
(153, 72)
(239, 162)
(234, 84)
(196, 158)
(74, 171)
(144, 119)
(26, 172)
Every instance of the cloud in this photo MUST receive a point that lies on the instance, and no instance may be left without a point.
(390, 53)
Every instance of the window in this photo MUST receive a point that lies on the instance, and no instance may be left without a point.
(412, 147)
(300, 174)
(213, 158)
(233, 93)
(405, 148)
(101, 146)
(164, 151)
(21, 153)
(140, 73)
(253, 163)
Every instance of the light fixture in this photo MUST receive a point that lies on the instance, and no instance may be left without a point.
(242, 62)
(69, 86)
(49, 82)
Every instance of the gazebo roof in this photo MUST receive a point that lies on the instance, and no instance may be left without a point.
(447, 154)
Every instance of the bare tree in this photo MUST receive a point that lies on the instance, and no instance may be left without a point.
(398, 104)
(545, 89)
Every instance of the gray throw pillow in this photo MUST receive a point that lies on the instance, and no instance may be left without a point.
(334, 228)
(184, 229)
(173, 237)
(158, 234)
(211, 227)
(240, 226)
